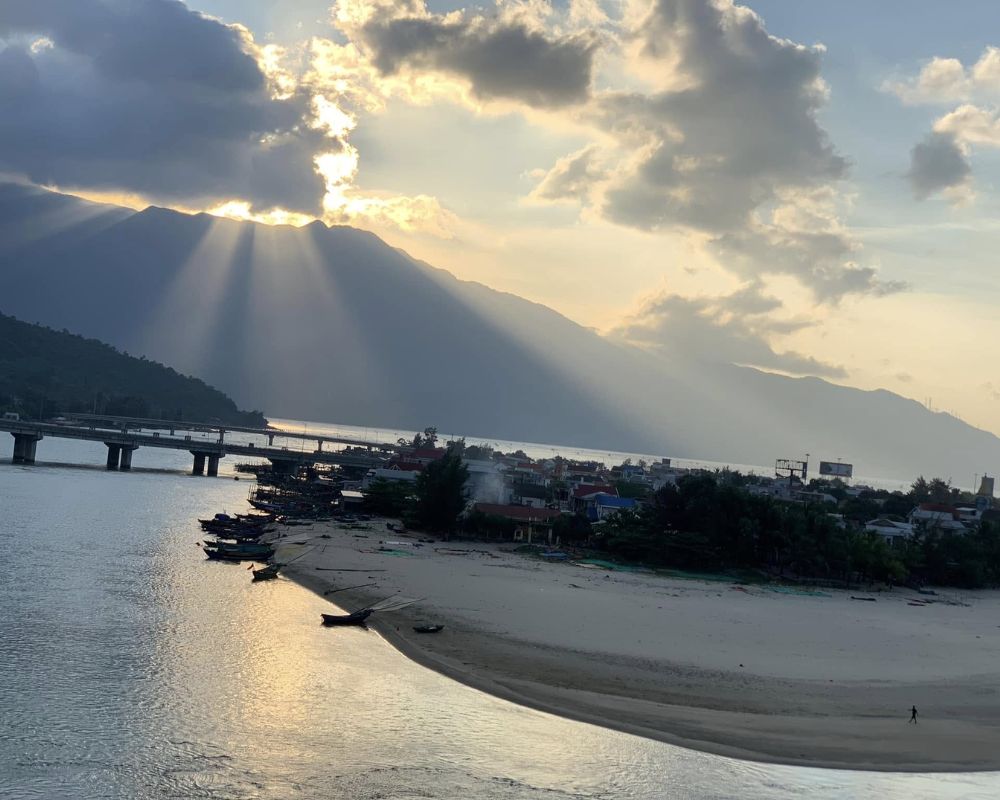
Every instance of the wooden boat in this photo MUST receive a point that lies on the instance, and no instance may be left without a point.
(428, 628)
(357, 618)
(239, 536)
(232, 558)
(241, 549)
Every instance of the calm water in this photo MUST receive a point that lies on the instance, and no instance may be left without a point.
(132, 668)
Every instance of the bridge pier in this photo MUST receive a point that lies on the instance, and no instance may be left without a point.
(114, 455)
(125, 464)
(24, 447)
(213, 466)
(199, 464)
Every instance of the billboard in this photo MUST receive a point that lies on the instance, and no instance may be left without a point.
(836, 469)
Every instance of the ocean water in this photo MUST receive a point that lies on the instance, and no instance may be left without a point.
(130, 667)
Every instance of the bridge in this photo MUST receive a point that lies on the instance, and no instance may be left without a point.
(124, 435)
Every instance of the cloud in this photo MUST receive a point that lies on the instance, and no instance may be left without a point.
(727, 329)
(150, 97)
(938, 163)
(737, 125)
(572, 177)
(726, 145)
(972, 125)
(947, 80)
(506, 56)
(941, 80)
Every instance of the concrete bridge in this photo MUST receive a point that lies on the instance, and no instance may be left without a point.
(124, 435)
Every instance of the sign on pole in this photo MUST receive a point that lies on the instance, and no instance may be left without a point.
(836, 469)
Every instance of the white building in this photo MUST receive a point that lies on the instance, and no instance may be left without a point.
(389, 474)
(890, 529)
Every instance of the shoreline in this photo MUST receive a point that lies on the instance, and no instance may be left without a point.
(624, 683)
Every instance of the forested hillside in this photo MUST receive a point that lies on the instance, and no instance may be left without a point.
(44, 372)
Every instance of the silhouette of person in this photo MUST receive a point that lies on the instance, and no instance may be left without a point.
(913, 715)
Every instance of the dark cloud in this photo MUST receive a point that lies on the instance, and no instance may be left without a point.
(150, 97)
(501, 57)
(729, 329)
(730, 147)
(740, 129)
(938, 163)
(822, 260)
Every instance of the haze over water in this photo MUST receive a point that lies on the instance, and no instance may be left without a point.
(133, 668)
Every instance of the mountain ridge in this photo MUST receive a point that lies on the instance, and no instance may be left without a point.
(330, 323)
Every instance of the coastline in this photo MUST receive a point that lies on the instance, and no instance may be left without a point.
(510, 633)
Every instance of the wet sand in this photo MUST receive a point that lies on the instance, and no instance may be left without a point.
(819, 680)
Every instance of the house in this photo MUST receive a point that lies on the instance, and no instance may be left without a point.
(579, 495)
(351, 500)
(601, 505)
(631, 472)
(529, 494)
(936, 517)
(814, 497)
(528, 472)
(391, 473)
(530, 523)
(425, 455)
(890, 530)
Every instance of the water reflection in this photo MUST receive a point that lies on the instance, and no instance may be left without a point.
(133, 668)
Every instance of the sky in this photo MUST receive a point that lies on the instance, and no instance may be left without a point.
(805, 187)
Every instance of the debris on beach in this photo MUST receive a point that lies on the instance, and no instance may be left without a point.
(800, 592)
(391, 551)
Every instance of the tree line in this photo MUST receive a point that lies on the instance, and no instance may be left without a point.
(713, 523)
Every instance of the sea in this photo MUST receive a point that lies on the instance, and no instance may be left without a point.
(131, 667)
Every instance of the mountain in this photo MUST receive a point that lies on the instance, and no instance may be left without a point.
(44, 372)
(331, 323)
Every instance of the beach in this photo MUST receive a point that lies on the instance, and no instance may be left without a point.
(793, 676)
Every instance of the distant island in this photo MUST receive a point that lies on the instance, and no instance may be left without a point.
(44, 372)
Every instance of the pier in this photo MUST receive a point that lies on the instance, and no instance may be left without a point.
(124, 435)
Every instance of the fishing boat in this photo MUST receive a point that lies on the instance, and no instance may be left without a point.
(357, 618)
(233, 558)
(241, 547)
(239, 536)
(428, 628)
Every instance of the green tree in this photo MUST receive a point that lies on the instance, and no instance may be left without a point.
(389, 498)
(441, 493)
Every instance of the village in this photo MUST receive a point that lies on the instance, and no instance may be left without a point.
(531, 495)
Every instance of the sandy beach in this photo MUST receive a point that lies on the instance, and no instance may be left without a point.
(745, 671)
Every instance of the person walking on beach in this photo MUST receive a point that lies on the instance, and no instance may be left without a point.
(913, 715)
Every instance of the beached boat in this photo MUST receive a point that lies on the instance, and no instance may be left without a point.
(239, 536)
(233, 558)
(241, 547)
(357, 618)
